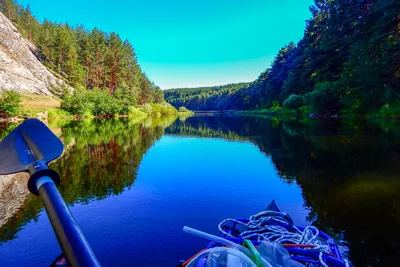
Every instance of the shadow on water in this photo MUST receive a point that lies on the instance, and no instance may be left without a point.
(349, 171)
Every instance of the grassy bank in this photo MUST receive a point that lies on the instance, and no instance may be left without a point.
(14, 106)
(33, 104)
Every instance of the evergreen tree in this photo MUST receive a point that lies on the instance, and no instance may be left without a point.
(158, 95)
(145, 94)
(115, 62)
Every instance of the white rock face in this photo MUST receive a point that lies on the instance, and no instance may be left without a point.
(13, 192)
(20, 70)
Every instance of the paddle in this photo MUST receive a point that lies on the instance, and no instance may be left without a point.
(30, 147)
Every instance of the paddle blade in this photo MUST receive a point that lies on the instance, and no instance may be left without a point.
(29, 142)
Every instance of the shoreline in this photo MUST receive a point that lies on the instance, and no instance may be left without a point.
(297, 115)
(77, 117)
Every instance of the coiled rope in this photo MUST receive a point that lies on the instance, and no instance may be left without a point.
(262, 227)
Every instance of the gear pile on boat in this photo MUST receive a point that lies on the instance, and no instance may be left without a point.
(268, 238)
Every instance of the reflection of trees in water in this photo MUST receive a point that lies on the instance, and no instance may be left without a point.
(102, 159)
(349, 173)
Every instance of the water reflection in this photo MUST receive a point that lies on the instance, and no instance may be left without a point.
(101, 158)
(348, 171)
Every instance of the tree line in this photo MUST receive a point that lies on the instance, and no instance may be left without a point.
(86, 59)
(204, 98)
(348, 62)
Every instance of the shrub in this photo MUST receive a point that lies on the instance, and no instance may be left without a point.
(163, 108)
(184, 110)
(77, 103)
(135, 112)
(390, 110)
(100, 103)
(10, 103)
(146, 108)
(305, 110)
(293, 102)
(103, 103)
(97, 102)
(58, 113)
(275, 105)
(325, 98)
(167, 109)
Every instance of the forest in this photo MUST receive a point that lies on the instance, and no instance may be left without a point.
(204, 98)
(347, 62)
(88, 60)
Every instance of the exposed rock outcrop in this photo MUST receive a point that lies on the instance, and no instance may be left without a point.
(13, 192)
(20, 69)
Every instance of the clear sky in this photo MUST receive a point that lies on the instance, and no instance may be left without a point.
(190, 43)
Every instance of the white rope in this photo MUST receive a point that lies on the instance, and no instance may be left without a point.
(259, 228)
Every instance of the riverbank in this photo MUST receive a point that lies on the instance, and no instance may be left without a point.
(306, 113)
(26, 106)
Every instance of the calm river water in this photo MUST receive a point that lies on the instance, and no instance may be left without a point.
(132, 186)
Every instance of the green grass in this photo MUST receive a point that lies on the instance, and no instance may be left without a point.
(57, 113)
(35, 104)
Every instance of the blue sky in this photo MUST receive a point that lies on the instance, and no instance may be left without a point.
(190, 43)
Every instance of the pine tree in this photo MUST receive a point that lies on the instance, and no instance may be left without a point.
(145, 94)
(158, 95)
(115, 62)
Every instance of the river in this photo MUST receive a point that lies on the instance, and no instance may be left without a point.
(132, 186)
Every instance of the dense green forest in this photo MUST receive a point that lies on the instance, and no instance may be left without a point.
(88, 60)
(347, 62)
(205, 98)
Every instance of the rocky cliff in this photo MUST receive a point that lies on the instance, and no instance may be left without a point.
(20, 69)
(13, 192)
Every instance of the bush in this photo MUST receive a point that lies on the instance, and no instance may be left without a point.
(98, 102)
(163, 108)
(146, 108)
(293, 102)
(103, 104)
(77, 103)
(168, 109)
(10, 103)
(184, 110)
(275, 105)
(325, 98)
(135, 112)
(390, 110)
(305, 110)
(59, 113)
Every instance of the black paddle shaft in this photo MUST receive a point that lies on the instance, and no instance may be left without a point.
(69, 235)
(31, 147)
